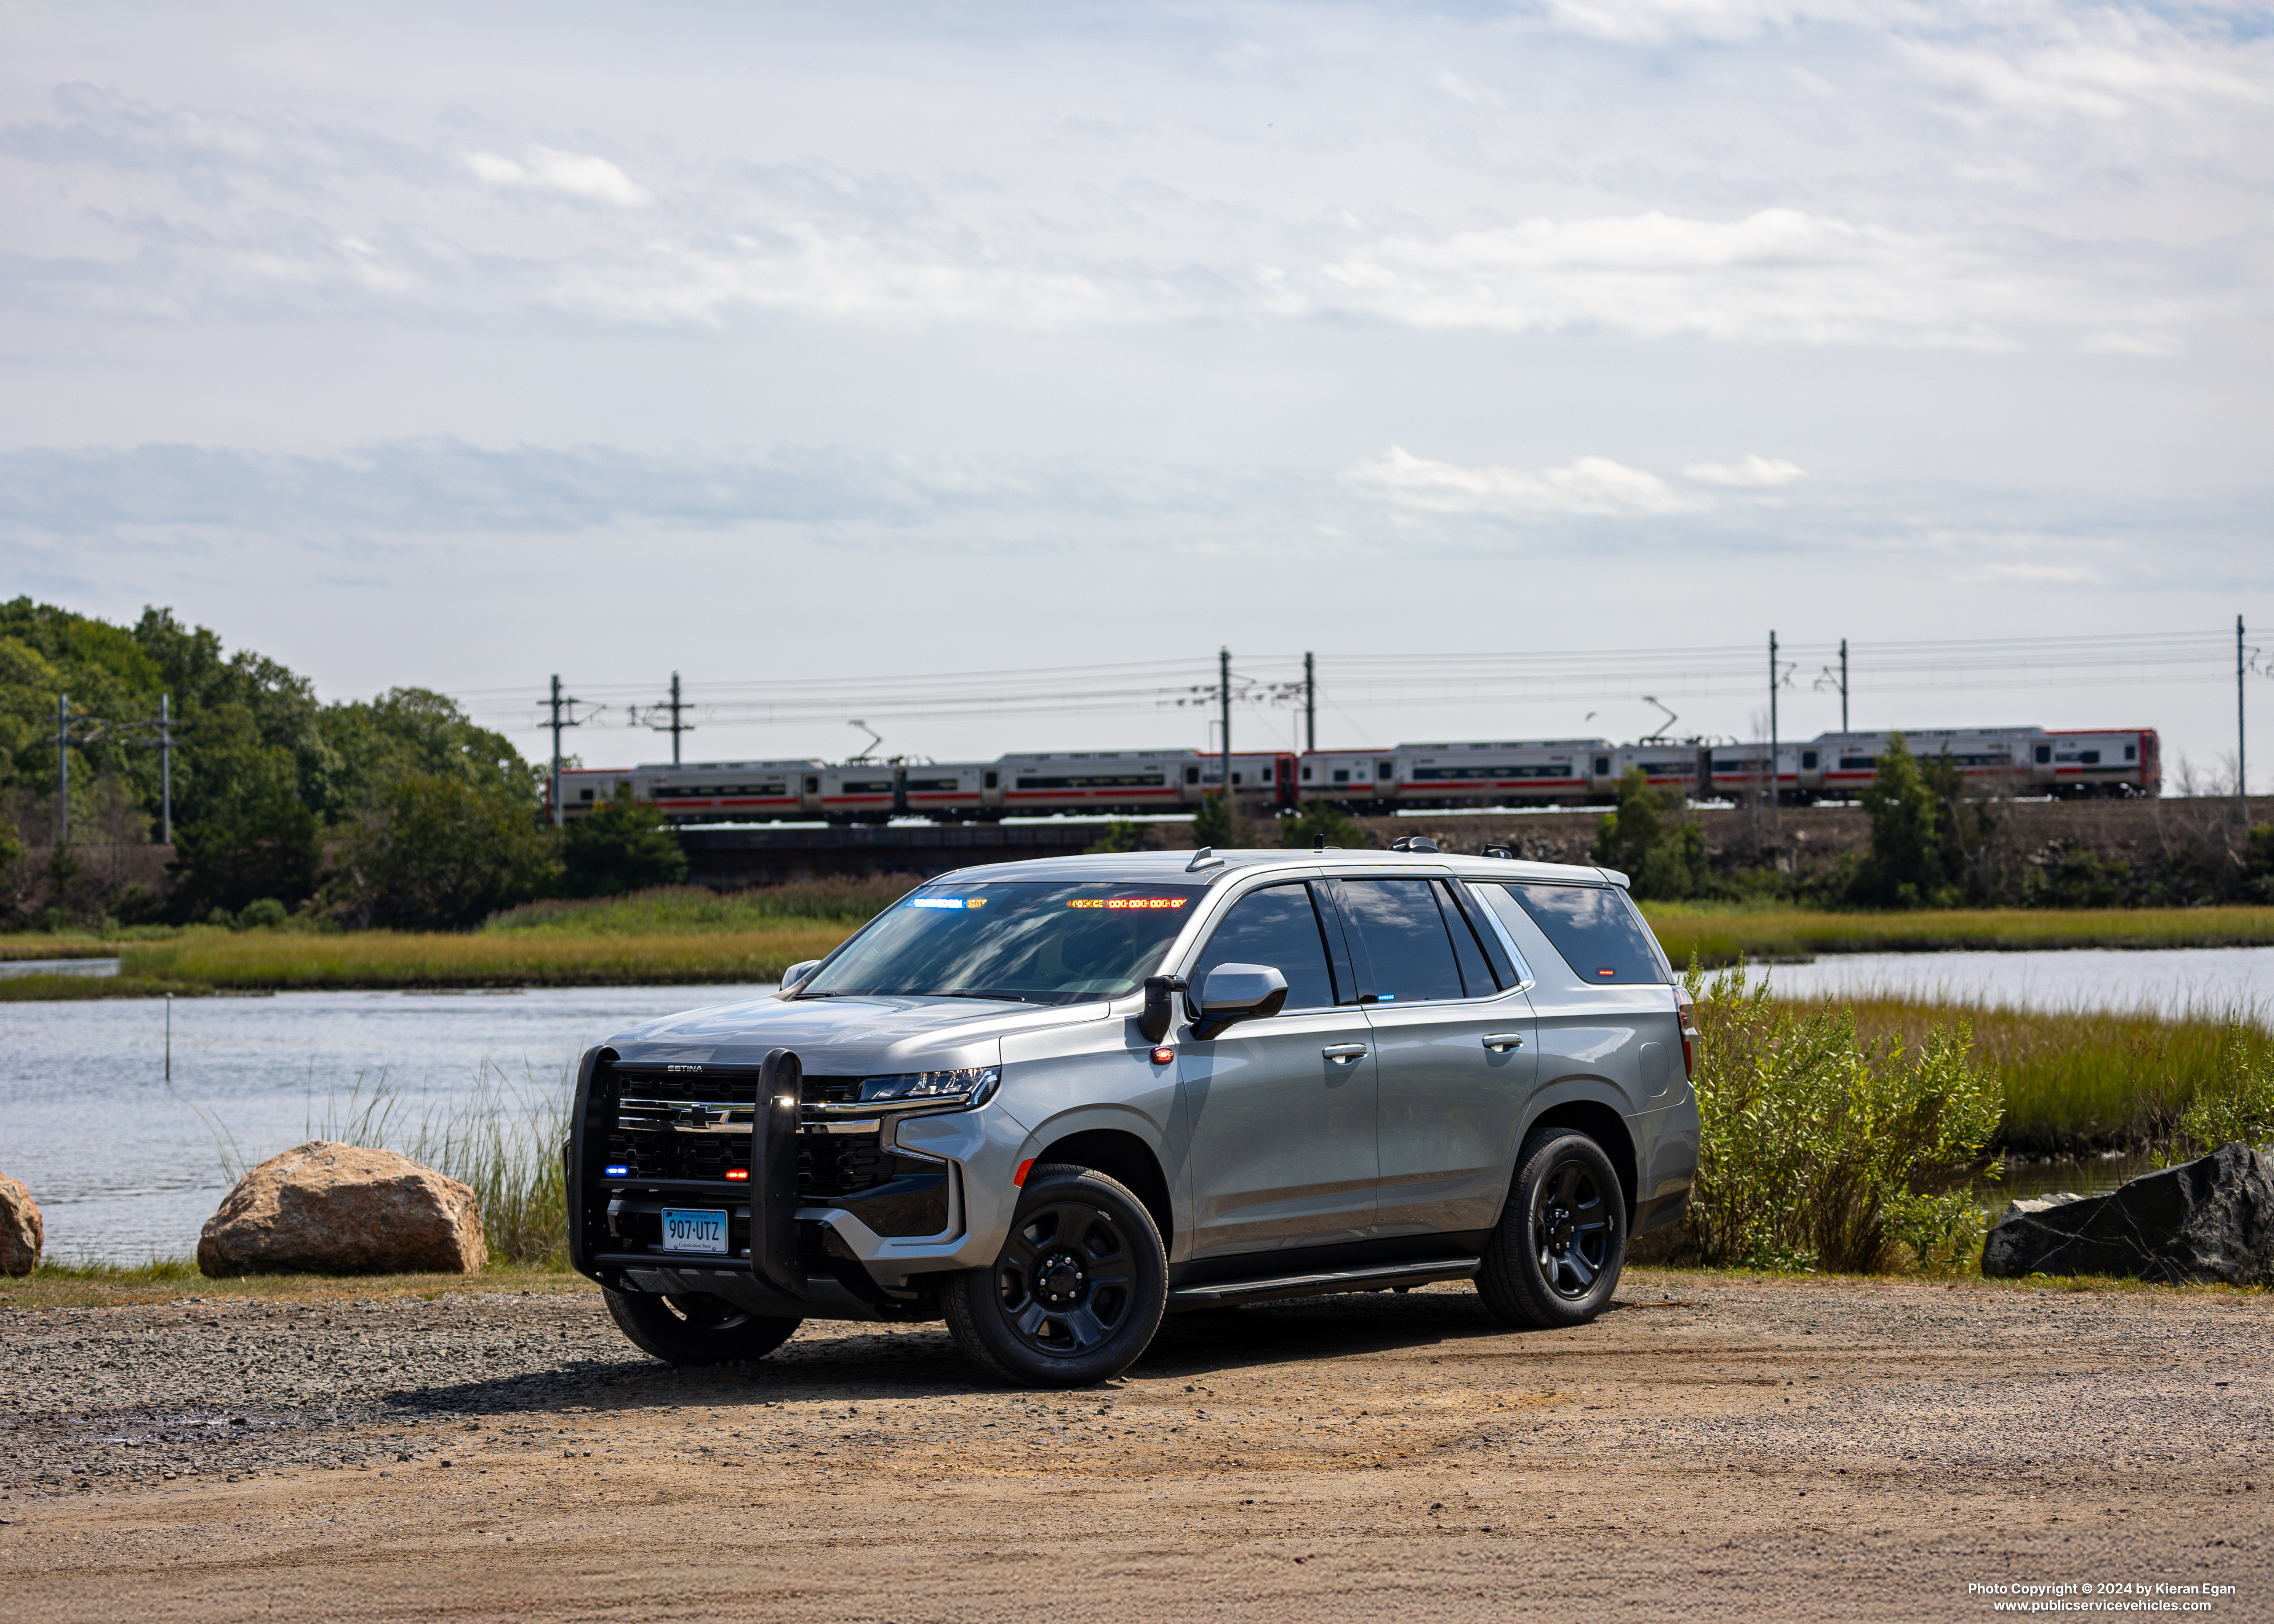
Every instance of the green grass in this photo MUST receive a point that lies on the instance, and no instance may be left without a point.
(68, 988)
(2074, 1081)
(691, 910)
(1721, 935)
(284, 961)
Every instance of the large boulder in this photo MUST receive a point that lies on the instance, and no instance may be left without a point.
(322, 1208)
(23, 1232)
(2208, 1220)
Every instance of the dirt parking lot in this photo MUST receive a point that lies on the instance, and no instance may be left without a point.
(1711, 1448)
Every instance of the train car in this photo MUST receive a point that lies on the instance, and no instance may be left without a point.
(2076, 762)
(1677, 767)
(1360, 780)
(1256, 775)
(1536, 772)
(1103, 781)
(729, 792)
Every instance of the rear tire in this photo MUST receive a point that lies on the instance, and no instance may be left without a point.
(696, 1330)
(1554, 1258)
(1077, 1291)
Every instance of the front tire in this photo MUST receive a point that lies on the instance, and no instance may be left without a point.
(1554, 1258)
(696, 1330)
(1077, 1291)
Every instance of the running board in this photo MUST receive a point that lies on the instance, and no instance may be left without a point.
(1381, 1277)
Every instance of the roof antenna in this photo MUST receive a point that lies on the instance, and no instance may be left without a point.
(1205, 858)
(1318, 843)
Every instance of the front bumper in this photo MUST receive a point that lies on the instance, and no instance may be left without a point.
(825, 1217)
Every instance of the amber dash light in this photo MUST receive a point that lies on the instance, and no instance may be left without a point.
(737, 1175)
(1019, 1178)
(1163, 1054)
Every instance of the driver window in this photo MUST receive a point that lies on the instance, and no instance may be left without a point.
(1279, 927)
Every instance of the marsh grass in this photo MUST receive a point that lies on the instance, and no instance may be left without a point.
(1718, 935)
(691, 910)
(2081, 1081)
(82, 988)
(282, 961)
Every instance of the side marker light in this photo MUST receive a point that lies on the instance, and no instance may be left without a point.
(737, 1175)
(1019, 1178)
(1163, 1054)
(616, 1169)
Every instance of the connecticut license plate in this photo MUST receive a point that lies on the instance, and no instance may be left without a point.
(685, 1230)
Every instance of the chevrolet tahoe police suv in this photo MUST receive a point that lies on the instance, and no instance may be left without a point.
(1051, 1102)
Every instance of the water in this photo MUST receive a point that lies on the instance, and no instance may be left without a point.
(2157, 981)
(122, 1165)
(58, 966)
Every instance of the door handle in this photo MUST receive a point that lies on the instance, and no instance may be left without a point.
(1344, 1051)
(1501, 1042)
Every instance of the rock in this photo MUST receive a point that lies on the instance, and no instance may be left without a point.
(323, 1208)
(2208, 1220)
(23, 1232)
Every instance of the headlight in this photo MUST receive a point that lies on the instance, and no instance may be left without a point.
(970, 1086)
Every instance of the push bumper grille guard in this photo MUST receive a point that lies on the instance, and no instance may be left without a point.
(779, 1274)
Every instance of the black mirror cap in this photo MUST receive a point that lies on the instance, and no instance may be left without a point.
(1211, 1025)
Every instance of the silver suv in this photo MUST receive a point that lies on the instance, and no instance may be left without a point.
(1050, 1101)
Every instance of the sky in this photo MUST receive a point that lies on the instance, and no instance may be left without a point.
(808, 349)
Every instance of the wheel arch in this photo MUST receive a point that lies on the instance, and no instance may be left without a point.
(1604, 1125)
(1122, 1155)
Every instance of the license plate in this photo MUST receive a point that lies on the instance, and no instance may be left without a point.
(688, 1230)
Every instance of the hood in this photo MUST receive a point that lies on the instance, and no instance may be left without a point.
(842, 1037)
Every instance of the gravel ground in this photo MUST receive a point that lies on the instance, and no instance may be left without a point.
(1711, 1447)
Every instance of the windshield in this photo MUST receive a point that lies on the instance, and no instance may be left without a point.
(1022, 940)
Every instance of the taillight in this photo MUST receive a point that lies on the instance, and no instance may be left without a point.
(1687, 1013)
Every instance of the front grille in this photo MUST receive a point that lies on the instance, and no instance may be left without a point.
(648, 1131)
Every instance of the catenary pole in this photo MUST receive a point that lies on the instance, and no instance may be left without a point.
(1843, 685)
(1310, 705)
(1223, 692)
(555, 796)
(2242, 760)
(1776, 822)
(675, 728)
(166, 807)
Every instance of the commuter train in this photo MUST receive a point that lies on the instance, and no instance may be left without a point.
(1540, 772)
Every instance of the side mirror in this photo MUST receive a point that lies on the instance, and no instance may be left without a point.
(1235, 992)
(797, 973)
(1160, 1014)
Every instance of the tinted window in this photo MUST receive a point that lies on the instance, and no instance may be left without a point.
(1476, 973)
(1276, 926)
(1594, 927)
(1399, 934)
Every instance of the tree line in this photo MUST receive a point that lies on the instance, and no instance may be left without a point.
(396, 811)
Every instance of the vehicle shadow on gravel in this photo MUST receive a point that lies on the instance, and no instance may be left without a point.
(848, 1360)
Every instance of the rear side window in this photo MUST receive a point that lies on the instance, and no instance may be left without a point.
(1276, 926)
(1595, 926)
(1397, 935)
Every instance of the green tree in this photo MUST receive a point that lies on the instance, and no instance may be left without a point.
(1220, 823)
(1652, 841)
(619, 846)
(266, 845)
(1320, 821)
(439, 853)
(1907, 865)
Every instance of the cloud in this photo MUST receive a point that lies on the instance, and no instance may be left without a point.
(2058, 574)
(1752, 472)
(576, 175)
(1590, 486)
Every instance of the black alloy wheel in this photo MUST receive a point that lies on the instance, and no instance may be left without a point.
(696, 1330)
(1556, 1257)
(1077, 1291)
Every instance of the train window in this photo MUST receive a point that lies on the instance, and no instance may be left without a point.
(2045, 753)
(1341, 775)
(2131, 752)
(1307, 775)
(992, 781)
(584, 795)
(1808, 761)
(1602, 766)
(1239, 778)
(1382, 770)
(2090, 758)
(1192, 775)
(812, 786)
(1858, 763)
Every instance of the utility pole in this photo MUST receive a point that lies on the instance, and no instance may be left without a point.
(677, 726)
(166, 803)
(1776, 822)
(1310, 706)
(1223, 692)
(63, 769)
(2242, 762)
(1843, 685)
(560, 722)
